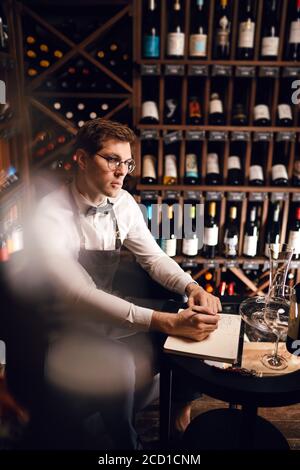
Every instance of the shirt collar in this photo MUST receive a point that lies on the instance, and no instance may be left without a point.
(82, 202)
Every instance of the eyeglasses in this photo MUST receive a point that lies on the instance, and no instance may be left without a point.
(113, 163)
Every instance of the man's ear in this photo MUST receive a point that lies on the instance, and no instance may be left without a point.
(81, 158)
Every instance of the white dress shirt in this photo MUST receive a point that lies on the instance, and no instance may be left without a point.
(59, 244)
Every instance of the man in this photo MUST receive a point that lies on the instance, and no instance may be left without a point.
(80, 229)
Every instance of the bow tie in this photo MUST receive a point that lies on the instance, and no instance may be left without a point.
(100, 209)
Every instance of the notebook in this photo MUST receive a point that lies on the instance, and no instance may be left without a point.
(221, 345)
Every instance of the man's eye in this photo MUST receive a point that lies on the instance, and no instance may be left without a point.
(112, 159)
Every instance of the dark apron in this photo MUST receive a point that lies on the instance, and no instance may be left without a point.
(101, 265)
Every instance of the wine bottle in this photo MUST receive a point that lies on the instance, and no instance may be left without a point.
(211, 231)
(296, 174)
(176, 36)
(216, 113)
(239, 116)
(149, 163)
(231, 238)
(191, 175)
(190, 240)
(235, 173)
(294, 234)
(149, 113)
(251, 234)
(6, 113)
(223, 32)
(261, 109)
(279, 171)
(151, 39)
(284, 109)
(208, 284)
(169, 244)
(170, 174)
(270, 37)
(172, 111)
(273, 232)
(246, 32)
(293, 334)
(294, 34)
(259, 153)
(198, 37)
(212, 169)
(194, 112)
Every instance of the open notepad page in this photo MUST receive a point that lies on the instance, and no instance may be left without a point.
(221, 345)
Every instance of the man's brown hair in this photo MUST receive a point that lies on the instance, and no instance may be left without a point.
(93, 134)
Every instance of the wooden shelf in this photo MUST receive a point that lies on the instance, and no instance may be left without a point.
(186, 127)
(218, 188)
(48, 159)
(240, 63)
(13, 191)
(220, 260)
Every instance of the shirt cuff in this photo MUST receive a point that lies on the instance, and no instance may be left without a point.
(183, 282)
(140, 316)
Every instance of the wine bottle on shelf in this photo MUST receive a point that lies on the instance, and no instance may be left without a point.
(172, 111)
(3, 35)
(190, 240)
(176, 36)
(270, 36)
(191, 175)
(261, 114)
(170, 174)
(284, 109)
(194, 111)
(293, 334)
(294, 234)
(211, 231)
(231, 238)
(246, 31)
(149, 114)
(294, 34)
(151, 39)
(251, 234)
(279, 171)
(235, 173)
(6, 113)
(223, 32)
(169, 244)
(208, 282)
(149, 163)
(216, 112)
(213, 175)
(256, 173)
(239, 116)
(198, 37)
(273, 231)
(296, 174)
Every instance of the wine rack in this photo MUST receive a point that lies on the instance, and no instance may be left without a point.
(267, 80)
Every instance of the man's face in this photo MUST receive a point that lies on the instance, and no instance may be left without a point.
(102, 179)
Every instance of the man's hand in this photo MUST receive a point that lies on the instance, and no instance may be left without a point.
(196, 323)
(198, 296)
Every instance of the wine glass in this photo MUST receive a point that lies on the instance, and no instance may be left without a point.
(276, 315)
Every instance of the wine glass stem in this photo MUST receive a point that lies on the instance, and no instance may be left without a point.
(276, 347)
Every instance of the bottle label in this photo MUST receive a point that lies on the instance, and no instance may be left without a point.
(246, 34)
(194, 109)
(169, 246)
(294, 32)
(215, 106)
(198, 45)
(294, 241)
(231, 244)
(223, 32)
(234, 162)
(17, 240)
(279, 172)
(171, 166)
(191, 167)
(250, 245)
(211, 235)
(149, 166)
(261, 111)
(149, 109)
(175, 44)
(151, 46)
(270, 46)
(256, 173)
(212, 163)
(285, 111)
(171, 107)
(190, 246)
